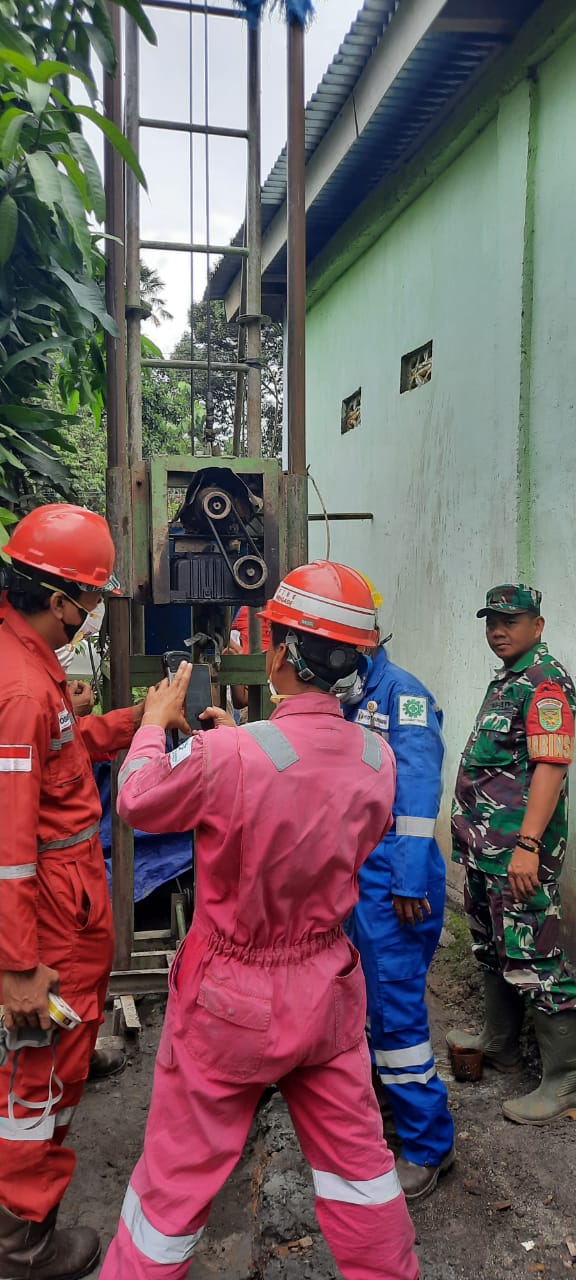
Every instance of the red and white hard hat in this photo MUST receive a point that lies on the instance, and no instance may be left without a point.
(66, 542)
(325, 599)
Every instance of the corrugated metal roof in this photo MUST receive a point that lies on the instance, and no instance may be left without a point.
(436, 71)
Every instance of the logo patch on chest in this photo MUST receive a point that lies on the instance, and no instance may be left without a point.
(64, 720)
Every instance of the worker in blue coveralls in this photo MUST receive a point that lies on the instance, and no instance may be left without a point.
(397, 923)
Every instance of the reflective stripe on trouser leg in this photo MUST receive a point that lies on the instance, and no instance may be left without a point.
(35, 1166)
(175, 1181)
(359, 1203)
(395, 961)
(154, 1244)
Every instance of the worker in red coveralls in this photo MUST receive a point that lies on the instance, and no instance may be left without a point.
(55, 916)
(266, 987)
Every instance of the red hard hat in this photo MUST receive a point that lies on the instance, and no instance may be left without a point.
(66, 542)
(325, 599)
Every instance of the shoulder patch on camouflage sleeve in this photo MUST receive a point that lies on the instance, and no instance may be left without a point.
(412, 709)
(550, 724)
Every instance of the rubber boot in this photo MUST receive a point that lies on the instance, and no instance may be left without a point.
(556, 1094)
(500, 1035)
(108, 1058)
(36, 1251)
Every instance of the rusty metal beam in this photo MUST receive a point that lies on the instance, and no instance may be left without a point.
(296, 241)
(118, 491)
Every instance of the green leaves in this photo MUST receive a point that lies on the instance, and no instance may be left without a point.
(45, 177)
(53, 313)
(89, 298)
(8, 227)
(114, 135)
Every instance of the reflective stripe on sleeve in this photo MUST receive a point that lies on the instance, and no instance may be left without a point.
(66, 736)
(79, 838)
(330, 1186)
(273, 743)
(371, 755)
(23, 872)
(408, 1077)
(131, 767)
(415, 1056)
(415, 826)
(153, 1243)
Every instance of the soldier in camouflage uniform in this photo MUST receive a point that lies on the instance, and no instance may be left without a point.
(509, 826)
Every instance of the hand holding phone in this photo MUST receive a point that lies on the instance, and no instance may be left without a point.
(164, 705)
(198, 692)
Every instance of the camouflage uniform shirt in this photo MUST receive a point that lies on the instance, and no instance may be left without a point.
(526, 718)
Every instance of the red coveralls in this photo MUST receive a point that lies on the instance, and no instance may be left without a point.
(54, 901)
(266, 988)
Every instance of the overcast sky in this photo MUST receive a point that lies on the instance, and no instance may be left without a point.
(165, 80)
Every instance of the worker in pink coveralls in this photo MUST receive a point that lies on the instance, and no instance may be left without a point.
(266, 987)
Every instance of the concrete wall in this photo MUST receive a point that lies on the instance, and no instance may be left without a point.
(470, 477)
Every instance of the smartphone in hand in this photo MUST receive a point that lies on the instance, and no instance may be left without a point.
(199, 692)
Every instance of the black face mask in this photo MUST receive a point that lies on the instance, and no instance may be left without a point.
(71, 629)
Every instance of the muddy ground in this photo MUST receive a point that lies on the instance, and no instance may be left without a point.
(511, 1185)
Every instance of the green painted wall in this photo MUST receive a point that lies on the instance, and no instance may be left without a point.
(471, 477)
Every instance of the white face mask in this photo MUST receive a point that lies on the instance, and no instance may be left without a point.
(350, 693)
(90, 627)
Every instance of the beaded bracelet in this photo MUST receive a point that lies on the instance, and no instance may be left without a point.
(534, 846)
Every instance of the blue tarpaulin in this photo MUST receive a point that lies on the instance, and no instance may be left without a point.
(157, 859)
(295, 10)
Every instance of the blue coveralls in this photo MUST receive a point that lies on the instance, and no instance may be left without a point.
(396, 958)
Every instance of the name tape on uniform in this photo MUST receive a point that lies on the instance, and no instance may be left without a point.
(180, 753)
(373, 720)
(15, 759)
(412, 709)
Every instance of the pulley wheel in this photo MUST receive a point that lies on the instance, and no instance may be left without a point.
(216, 504)
(250, 572)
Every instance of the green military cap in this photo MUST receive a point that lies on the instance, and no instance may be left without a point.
(512, 598)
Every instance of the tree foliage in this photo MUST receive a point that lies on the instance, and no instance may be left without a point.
(224, 349)
(52, 309)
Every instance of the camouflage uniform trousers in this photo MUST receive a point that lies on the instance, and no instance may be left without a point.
(521, 940)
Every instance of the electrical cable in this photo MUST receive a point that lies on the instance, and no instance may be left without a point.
(324, 511)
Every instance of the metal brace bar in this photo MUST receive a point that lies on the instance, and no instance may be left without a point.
(234, 250)
(183, 7)
(215, 365)
(342, 515)
(181, 126)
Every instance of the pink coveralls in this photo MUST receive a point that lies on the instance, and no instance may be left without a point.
(266, 988)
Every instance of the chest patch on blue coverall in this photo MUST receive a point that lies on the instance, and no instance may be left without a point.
(373, 720)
